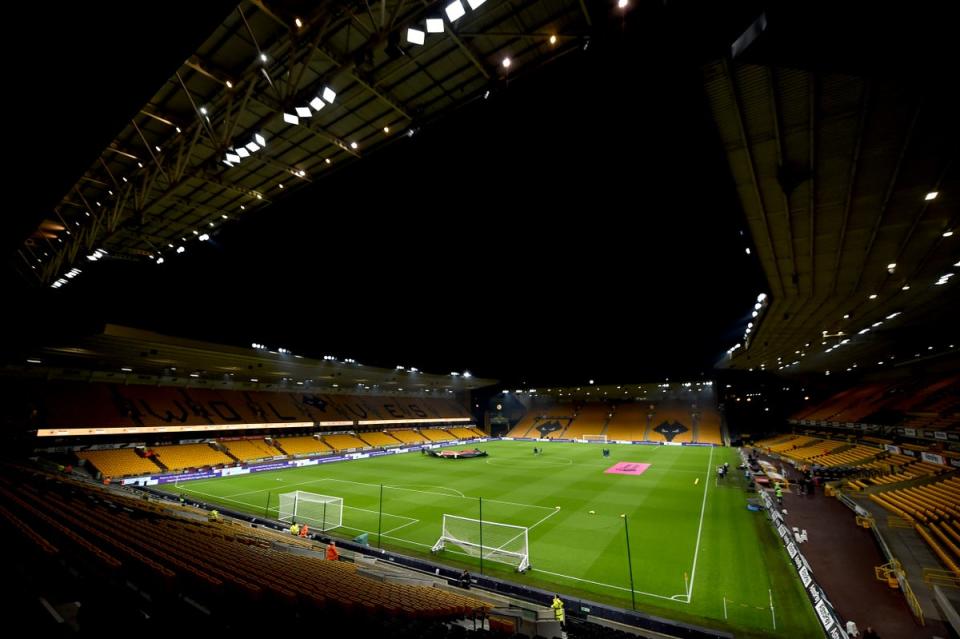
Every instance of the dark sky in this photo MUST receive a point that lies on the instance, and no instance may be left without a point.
(580, 225)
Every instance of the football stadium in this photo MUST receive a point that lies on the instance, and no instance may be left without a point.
(483, 318)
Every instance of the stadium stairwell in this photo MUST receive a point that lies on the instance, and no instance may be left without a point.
(275, 442)
(226, 451)
(646, 430)
(606, 422)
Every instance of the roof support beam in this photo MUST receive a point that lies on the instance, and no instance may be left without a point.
(889, 192)
(812, 134)
(775, 114)
(185, 154)
(923, 209)
(741, 128)
(153, 156)
(116, 184)
(851, 182)
(586, 14)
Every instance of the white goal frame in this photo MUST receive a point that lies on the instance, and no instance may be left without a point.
(586, 439)
(323, 512)
(465, 533)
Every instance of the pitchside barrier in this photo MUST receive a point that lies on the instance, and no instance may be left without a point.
(829, 620)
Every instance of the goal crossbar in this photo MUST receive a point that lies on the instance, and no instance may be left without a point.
(323, 512)
(493, 541)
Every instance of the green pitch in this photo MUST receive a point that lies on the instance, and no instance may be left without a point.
(698, 554)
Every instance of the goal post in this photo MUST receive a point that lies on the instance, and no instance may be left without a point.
(586, 439)
(493, 541)
(322, 512)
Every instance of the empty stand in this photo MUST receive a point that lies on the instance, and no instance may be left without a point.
(233, 570)
(344, 442)
(437, 435)
(919, 404)
(190, 456)
(408, 436)
(303, 445)
(119, 462)
(591, 419)
(629, 422)
(379, 439)
(247, 449)
(708, 428)
(462, 433)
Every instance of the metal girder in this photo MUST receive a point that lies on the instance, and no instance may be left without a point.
(157, 118)
(920, 211)
(471, 54)
(381, 95)
(184, 154)
(106, 168)
(231, 127)
(142, 201)
(586, 14)
(891, 183)
(851, 180)
(293, 82)
(775, 113)
(732, 85)
(204, 120)
(812, 133)
(536, 37)
(358, 77)
(84, 178)
(193, 159)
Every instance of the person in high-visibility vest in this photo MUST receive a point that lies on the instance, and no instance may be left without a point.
(778, 490)
(294, 529)
(304, 530)
(557, 606)
(332, 554)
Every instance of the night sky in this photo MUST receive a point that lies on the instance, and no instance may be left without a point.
(580, 225)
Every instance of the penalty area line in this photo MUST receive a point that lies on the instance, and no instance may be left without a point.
(600, 583)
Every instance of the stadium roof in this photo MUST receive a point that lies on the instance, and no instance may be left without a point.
(473, 244)
(844, 152)
(280, 95)
(648, 391)
(124, 355)
(833, 137)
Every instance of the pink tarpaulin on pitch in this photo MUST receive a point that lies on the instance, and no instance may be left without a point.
(627, 468)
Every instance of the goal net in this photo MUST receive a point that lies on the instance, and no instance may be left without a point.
(593, 438)
(322, 512)
(503, 543)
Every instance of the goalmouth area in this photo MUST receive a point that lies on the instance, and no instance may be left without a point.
(698, 555)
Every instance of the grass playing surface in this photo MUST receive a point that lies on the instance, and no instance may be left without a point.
(682, 521)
